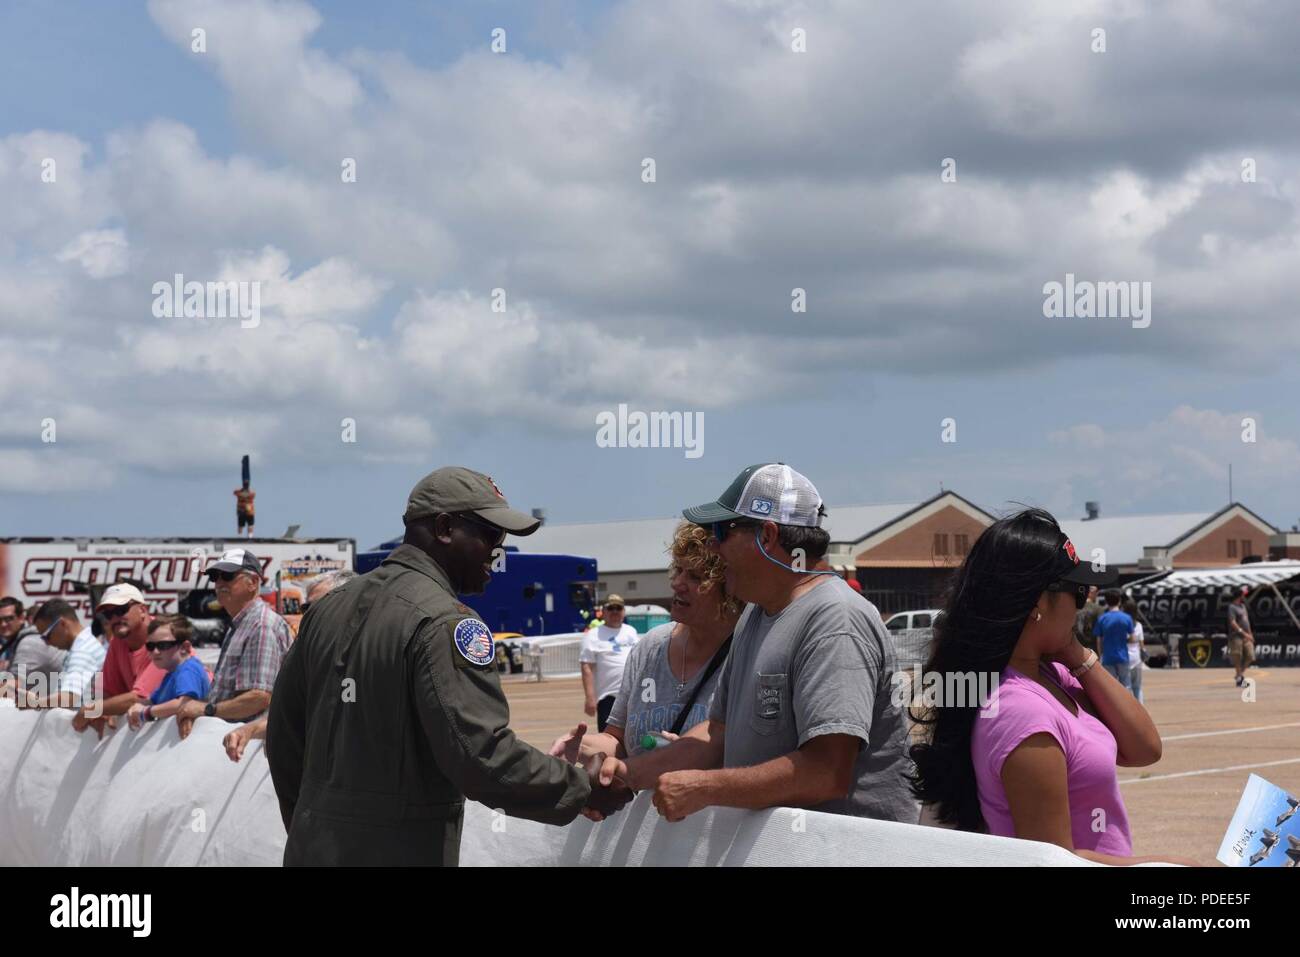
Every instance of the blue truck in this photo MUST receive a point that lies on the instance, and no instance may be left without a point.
(534, 594)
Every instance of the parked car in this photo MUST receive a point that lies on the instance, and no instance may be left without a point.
(906, 620)
(912, 631)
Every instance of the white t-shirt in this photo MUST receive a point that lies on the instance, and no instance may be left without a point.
(1135, 645)
(607, 649)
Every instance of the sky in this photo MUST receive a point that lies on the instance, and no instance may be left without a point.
(502, 270)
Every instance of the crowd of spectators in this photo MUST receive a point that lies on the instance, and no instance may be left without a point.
(141, 667)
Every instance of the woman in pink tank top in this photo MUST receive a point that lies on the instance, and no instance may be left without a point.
(1036, 757)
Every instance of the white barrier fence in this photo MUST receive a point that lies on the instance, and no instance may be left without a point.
(552, 656)
(148, 798)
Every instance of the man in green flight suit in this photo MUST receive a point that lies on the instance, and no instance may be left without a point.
(388, 713)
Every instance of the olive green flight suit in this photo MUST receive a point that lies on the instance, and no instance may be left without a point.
(380, 727)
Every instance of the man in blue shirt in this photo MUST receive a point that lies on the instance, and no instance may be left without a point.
(170, 649)
(1113, 628)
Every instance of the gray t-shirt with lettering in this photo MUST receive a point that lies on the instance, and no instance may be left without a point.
(650, 698)
(822, 665)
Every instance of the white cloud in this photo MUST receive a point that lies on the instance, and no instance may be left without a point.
(775, 170)
(102, 253)
(51, 470)
(335, 287)
(1157, 452)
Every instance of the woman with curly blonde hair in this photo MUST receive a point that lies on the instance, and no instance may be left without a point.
(672, 672)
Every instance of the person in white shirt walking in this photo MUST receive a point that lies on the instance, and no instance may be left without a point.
(603, 655)
(1135, 641)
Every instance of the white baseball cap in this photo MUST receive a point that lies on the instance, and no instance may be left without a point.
(122, 593)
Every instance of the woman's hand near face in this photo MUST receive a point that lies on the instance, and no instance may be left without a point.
(1136, 736)
(1072, 654)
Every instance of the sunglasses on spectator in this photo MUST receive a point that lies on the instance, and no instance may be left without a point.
(115, 611)
(1080, 592)
(498, 532)
(722, 529)
(45, 635)
(8, 618)
(224, 576)
(162, 645)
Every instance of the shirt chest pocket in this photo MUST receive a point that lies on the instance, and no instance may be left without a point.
(771, 705)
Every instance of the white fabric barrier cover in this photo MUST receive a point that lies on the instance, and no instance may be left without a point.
(148, 798)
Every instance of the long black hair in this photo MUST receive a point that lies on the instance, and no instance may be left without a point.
(985, 607)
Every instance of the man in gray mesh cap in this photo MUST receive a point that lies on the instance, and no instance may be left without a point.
(803, 715)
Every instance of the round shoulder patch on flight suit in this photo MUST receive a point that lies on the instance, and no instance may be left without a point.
(473, 640)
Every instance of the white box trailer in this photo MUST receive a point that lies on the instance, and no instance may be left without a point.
(167, 570)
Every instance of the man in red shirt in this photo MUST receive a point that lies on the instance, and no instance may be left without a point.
(129, 675)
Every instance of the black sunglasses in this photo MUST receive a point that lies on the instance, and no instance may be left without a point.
(116, 611)
(497, 530)
(162, 645)
(224, 576)
(722, 529)
(1080, 592)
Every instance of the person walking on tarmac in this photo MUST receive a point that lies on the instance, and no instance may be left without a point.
(388, 712)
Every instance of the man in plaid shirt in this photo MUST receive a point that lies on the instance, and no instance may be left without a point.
(253, 648)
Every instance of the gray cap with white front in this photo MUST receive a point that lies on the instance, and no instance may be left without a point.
(772, 492)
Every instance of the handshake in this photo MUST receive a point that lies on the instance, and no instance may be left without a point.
(677, 794)
(609, 787)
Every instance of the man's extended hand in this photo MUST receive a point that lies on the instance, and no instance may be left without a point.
(80, 722)
(236, 741)
(609, 770)
(608, 796)
(135, 716)
(606, 801)
(681, 793)
(185, 717)
(569, 746)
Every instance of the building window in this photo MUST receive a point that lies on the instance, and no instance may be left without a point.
(1246, 547)
(631, 584)
(961, 544)
(940, 543)
(1232, 548)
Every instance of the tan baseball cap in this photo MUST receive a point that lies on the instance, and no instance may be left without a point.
(455, 489)
(613, 601)
(120, 594)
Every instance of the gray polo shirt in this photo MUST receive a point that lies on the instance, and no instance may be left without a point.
(822, 665)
